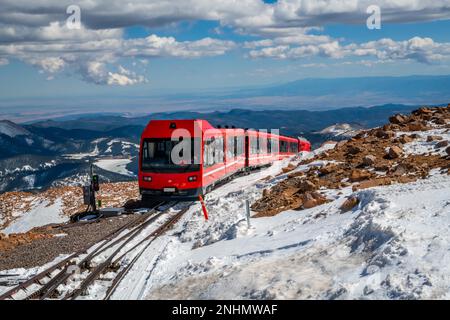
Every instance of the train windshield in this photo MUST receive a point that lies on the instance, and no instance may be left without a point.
(159, 155)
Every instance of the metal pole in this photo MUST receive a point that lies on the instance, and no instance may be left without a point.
(94, 205)
(247, 211)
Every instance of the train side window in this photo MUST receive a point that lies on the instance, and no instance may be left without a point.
(230, 147)
(235, 149)
(209, 154)
(283, 146)
(254, 145)
(269, 145)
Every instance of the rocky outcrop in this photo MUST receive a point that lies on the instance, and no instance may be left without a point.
(372, 158)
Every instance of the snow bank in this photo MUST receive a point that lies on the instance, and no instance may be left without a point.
(394, 245)
(41, 214)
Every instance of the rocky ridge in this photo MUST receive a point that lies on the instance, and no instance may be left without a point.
(372, 158)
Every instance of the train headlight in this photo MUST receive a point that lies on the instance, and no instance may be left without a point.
(147, 179)
(192, 178)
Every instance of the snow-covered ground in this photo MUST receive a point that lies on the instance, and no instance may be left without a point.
(115, 165)
(41, 214)
(422, 146)
(79, 156)
(393, 245)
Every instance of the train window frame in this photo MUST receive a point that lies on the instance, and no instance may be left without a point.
(217, 154)
(163, 145)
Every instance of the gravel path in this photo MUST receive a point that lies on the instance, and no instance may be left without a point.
(42, 251)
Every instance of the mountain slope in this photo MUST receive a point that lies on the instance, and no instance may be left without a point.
(381, 233)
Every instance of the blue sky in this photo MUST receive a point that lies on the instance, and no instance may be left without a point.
(157, 48)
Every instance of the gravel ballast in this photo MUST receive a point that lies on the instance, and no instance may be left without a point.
(64, 241)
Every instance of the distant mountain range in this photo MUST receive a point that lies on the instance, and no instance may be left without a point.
(316, 94)
(48, 153)
(290, 122)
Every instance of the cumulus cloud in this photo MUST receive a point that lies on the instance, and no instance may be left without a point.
(35, 32)
(53, 56)
(423, 50)
(96, 72)
(49, 65)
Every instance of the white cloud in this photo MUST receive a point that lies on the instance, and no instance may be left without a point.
(3, 61)
(423, 50)
(54, 56)
(35, 32)
(96, 72)
(49, 65)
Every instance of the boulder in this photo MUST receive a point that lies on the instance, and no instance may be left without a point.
(382, 134)
(441, 144)
(440, 121)
(311, 200)
(417, 126)
(359, 175)
(433, 138)
(398, 119)
(400, 170)
(405, 139)
(369, 160)
(306, 186)
(394, 152)
(421, 111)
(329, 168)
(351, 149)
(349, 204)
(448, 151)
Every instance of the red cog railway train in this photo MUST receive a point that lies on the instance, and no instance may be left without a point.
(209, 156)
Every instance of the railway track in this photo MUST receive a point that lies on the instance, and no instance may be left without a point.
(117, 242)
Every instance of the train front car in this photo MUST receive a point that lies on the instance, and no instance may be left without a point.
(170, 160)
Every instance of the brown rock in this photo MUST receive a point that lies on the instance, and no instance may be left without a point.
(349, 204)
(441, 144)
(382, 134)
(423, 110)
(353, 149)
(311, 200)
(329, 168)
(265, 192)
(369, 160)
(448, 151)
(405, 139)
(289, 168)
(306, 186)
(433, 138)
(400, 170)
(417, 126)
(382, 167)
(440, 121)
(398, 119)
(394, 152)
(359, 175)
